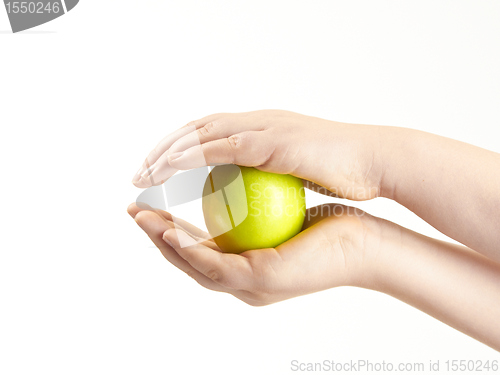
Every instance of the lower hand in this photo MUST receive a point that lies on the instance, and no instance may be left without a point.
(329, 252)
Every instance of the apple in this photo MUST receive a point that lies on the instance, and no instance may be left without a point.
(246, 208)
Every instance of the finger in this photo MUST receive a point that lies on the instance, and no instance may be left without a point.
(220, 128)
(154, 226)
(163, 172)
(202, 121)
(167, 142)
(159, 149)
(194, 232)
(133, 209)
(230, 270)
(192, 229)
(175, 222)
(249, 149)
(202, 241)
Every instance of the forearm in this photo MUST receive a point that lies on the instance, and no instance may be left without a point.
(452, 185)
(452, 283)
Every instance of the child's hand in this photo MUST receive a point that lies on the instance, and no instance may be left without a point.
(340, 157)
(329, 252)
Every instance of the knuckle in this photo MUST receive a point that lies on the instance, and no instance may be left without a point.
(193, 125)
(207, 129)
(234, 141)
(215, 275)
(154, 155)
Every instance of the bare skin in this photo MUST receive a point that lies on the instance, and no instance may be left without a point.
(273, 141)
(450, 184)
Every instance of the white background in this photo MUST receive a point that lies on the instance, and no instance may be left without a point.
(84, 98)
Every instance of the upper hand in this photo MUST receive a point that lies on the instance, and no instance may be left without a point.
(339, 157)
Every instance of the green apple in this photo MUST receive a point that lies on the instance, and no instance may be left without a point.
(245, 208)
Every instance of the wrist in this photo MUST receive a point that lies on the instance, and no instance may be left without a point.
(380, 239)
(362, 255)
(394, 146)
(400, 149)
(357, 160)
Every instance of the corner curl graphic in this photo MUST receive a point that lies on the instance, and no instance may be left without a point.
(25, 15)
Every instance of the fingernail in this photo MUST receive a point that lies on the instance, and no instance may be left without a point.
(167, 241)
(137, 176)
(175, 155)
